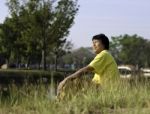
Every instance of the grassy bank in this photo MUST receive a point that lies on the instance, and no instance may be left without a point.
(112, 98)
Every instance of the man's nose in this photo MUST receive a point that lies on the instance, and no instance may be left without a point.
(93, 44)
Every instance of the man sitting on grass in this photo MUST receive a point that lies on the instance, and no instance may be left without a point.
(103, 65)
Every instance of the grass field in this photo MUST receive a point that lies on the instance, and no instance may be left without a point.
(122, 97)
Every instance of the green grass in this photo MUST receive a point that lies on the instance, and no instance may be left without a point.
(121, 97)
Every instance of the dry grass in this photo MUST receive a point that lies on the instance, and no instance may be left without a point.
(113, 98)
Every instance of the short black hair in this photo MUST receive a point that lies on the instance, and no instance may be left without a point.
(103, 38)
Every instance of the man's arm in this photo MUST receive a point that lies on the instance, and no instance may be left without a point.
(74, 75)
(80, 72)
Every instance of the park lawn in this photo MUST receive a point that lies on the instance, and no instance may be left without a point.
(113, 98)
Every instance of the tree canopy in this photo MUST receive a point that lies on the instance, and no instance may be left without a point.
(35, 28)
(131, 49)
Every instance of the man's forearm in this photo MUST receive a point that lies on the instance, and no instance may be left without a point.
(75, 75)
(80, 72)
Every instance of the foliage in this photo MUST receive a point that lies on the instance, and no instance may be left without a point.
(79, 57)
(17, 76)
(131, 50)
(36, 28)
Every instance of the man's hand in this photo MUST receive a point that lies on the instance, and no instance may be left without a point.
(73, 76)
(60, 86)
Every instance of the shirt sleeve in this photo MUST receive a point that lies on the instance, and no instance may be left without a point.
(98, 63)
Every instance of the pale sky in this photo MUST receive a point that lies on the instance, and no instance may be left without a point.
(111, 17)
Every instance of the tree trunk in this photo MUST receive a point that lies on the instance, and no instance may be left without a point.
(44, 59)
(56, 62)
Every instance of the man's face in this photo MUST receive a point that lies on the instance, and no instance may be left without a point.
(97, 46)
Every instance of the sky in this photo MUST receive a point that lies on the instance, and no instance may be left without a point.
(111, 17)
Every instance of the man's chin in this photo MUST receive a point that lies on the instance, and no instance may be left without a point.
(95, 52)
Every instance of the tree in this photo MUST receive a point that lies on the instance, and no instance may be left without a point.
(79, 57)
(43, 25)
(8, 38)
(61, 51)
(147, 54)
(130, 49)
(115, 47)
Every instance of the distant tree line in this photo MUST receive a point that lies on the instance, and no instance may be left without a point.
(131, 49)
(126, 49)
(77, 58)
(36, 30)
